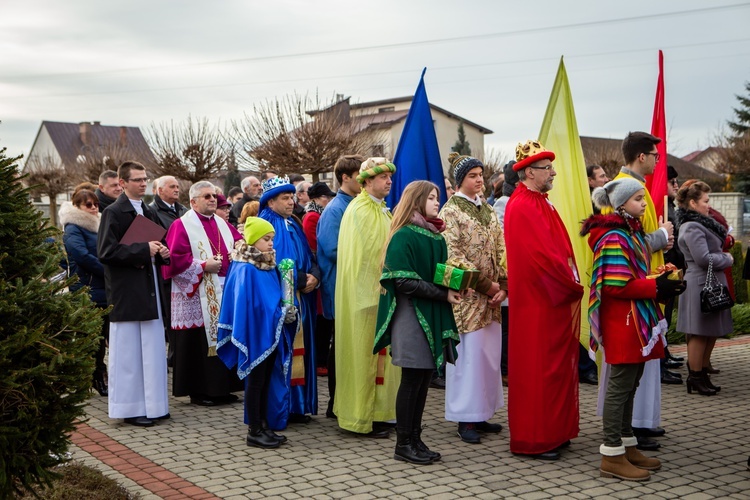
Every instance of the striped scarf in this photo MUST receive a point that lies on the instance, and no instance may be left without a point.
(620, 256)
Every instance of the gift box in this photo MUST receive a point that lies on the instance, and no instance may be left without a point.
(456, 278)
(677, 274)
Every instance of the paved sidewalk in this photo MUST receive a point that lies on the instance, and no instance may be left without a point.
(201, 453)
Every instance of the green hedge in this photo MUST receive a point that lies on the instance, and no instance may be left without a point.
(740, 318)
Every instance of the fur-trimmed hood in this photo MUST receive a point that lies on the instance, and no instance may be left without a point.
(69, 214)
(597, 225)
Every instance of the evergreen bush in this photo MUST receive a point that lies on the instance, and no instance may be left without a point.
(48, 338)
(740, 285)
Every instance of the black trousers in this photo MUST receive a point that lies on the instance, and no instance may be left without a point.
(256, 391)
(411, 399)
(323, 335)
(99, 358)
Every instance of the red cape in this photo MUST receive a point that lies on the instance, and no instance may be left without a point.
(545, 316)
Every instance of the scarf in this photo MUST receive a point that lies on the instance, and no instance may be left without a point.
(243, 252)
(313, 207)
(434, 225)
(682, 216)
(620, 256)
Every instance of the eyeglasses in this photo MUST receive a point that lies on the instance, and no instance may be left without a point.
(656, 156)
(90, 204)
(548, 167)
(209, 196)
(140, 180)
(674, 182)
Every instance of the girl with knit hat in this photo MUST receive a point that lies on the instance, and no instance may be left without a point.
(251, 333)
(626, 321)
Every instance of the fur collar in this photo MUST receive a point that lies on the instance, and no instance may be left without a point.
(265, 261)
(610, 221)
(69, 214)
(682, 216)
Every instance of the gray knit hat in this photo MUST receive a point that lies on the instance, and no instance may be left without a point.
(615, 193)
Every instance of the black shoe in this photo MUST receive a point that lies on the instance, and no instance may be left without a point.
(99, 383)
(488, 427)
(163, 417)
(226, 399)
(647, 444)
(438, 383)
(202, 401)
(566, 444)
(646, 432)
(468, 433)
(377, 433)
(139, 421)
(256, 437)
(416, 437)
(673, 364)
(589, 377)
(298, 418)
(278, 437)
(406, 451)
(668, 377)
(547, 455)
(674, 358)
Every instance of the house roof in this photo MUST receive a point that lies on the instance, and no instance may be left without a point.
(66, 138)
(613, 147)
(695, 155)
(409, 98)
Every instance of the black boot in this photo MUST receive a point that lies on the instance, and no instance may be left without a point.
(708, 382)
(695, 382)
(99, 383)
(407, 451)
(256, 437)
(416, 437)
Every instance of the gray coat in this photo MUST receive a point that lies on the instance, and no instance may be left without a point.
(697, 242)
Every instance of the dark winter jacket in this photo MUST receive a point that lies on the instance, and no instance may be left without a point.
(165, 214)
(128, 273)
(80, 234)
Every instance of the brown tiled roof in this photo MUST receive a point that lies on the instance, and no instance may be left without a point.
(593, 147)
(67, 140)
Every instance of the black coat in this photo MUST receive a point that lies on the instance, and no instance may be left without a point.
(165, 214)
(128, 273)
(236, 210)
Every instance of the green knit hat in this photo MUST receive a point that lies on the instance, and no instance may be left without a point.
(256, 228)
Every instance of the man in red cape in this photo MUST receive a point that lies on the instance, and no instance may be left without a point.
(545, 313)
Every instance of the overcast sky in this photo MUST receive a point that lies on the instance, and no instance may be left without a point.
(492, 62)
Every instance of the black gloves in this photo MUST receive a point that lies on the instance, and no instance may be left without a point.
(667, 288)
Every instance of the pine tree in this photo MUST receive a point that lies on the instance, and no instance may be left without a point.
(742, 125)
(461, 146)
(47, 341)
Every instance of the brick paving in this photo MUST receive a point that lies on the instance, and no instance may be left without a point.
(201, 453)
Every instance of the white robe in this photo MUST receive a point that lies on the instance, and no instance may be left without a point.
(138, 367)
(473, 386)
(647, 401)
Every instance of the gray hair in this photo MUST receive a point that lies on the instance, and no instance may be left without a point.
(303, 186)
(107, 174)
(245, 183)
(195, 189)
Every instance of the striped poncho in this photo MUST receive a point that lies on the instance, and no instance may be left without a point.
(621, 255)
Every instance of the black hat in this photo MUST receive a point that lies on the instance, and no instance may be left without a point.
(511, 178)
(320, 189)
(671, 173)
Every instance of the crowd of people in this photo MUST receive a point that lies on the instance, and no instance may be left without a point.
(284, 280)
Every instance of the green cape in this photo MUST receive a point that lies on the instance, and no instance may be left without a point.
(414, 253)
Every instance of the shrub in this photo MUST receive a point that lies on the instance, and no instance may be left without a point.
(740, 285)
(47, 341)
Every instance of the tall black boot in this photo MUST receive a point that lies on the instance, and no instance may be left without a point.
(99, 382)
(406, 450)
(695, 382)
(416, 437)
(256, 437)
(708, 382)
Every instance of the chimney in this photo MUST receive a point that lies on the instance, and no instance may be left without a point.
(84, 129)
(123, 136)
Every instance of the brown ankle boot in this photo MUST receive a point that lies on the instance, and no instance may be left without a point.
(637, 458)
(615, 464)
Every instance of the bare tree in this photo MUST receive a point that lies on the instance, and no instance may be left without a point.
(47, 176)
(193, 150)
(299, 134)
(495, 160)
(604, 153)
(95, 159)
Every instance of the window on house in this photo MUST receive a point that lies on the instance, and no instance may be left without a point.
(386, 109)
